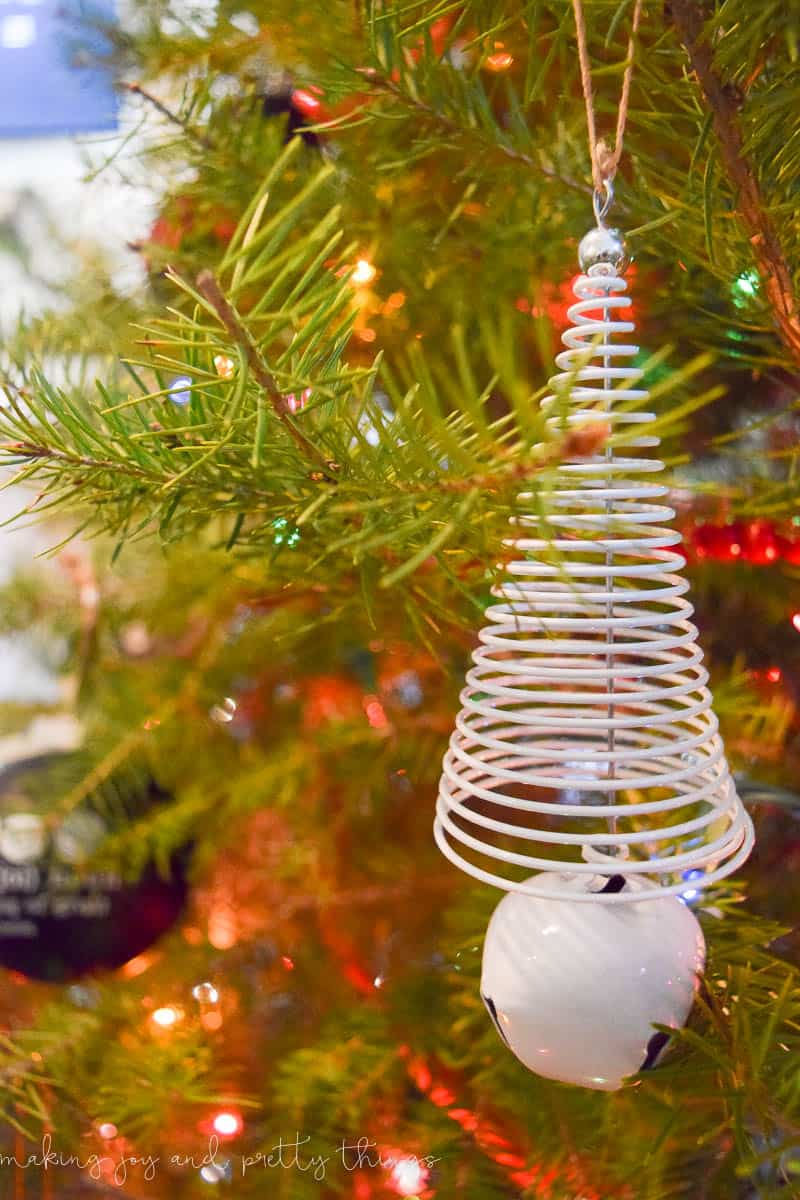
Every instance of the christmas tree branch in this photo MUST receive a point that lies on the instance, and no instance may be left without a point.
(209, 288)
(137, 90)
(381, 82)
(725, 101)
(32, 451)
(490, 482)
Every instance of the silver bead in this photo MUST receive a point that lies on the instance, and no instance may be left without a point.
(603, 247)
(205, 993)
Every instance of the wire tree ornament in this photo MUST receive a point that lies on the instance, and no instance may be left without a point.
(587, 743)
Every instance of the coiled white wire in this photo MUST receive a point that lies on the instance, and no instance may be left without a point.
(586, 743)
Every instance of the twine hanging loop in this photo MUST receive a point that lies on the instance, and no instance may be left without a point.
(605, 160)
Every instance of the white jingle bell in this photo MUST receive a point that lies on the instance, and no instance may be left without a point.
(574, 988)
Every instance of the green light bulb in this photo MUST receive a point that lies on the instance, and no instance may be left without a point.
(745, 286)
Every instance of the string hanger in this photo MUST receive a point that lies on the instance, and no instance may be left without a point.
(604, 160)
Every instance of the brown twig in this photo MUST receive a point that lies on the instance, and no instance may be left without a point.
(725, 101)
(208, 286)
(32, 450)
(495, 481)
(137, 90)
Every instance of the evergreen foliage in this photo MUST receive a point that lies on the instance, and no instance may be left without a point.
(296, 480)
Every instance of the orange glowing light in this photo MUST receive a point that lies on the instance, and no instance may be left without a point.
(212, 1021)
(501, 60)
(166, 1017)
(288, 963)
(366, 334)
(796, 621)
(364, 273)
(107, 1130)
(774, 674)
(222, 930)
(224, 366)
(138, 965)
(228, 1124)
(375, 712)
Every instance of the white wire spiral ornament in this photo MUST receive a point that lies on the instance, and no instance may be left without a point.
(586, 743)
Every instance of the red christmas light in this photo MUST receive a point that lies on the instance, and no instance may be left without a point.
(329, 699)
(375, 712)
(759, 547)
(439, 31)
(758, 542)
(362, 1189)
(491, 1139)
(307, 101)
(557, 298)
